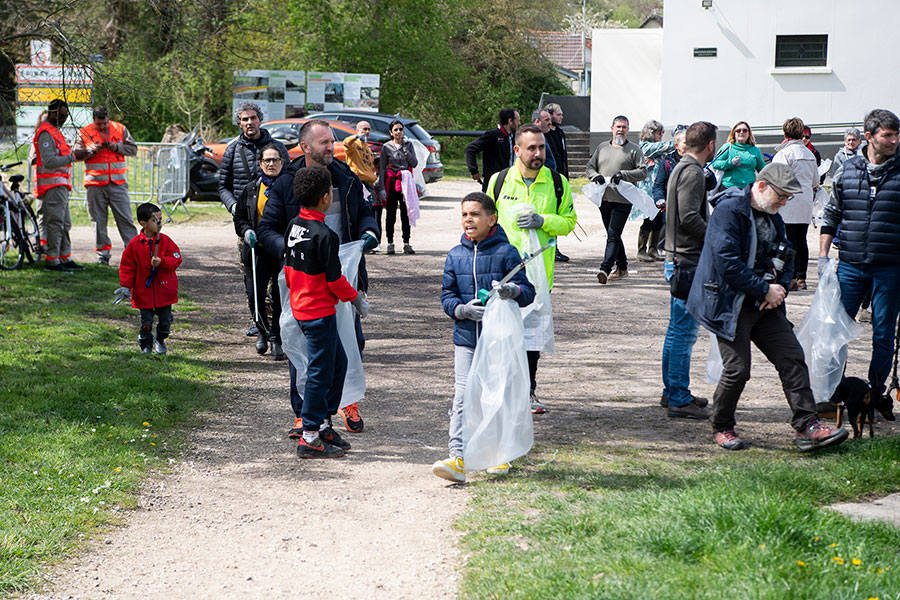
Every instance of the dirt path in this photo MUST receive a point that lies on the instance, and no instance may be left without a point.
(242, 517)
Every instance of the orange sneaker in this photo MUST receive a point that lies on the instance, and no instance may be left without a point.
(296, 431)
(353, 423)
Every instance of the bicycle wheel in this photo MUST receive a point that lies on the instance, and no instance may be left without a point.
(30, 234)
(11, 254)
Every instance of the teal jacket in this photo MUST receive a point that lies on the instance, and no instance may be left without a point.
(743, 174)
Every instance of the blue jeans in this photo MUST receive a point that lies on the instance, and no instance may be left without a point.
(883, 282)
(325, 372)
(676, 359)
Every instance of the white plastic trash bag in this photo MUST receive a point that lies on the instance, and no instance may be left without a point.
(410, 196)
(638, 198)
(422, 154)
(824, 334)
(825, 166)
(714, 365)
(497, 425)
(294, 342)
(537, 316)
(819, 202)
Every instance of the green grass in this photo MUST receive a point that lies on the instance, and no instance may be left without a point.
(618, 523)
(83, 416)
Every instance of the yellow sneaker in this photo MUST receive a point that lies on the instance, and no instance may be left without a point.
(499, 469)
(451, 469)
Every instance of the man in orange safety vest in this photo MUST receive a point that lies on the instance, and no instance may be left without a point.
(108, 142)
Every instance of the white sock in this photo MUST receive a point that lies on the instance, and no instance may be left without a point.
(310, 436)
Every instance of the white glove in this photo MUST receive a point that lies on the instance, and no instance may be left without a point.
(507, 291)
(233, 208)
(471, 310)
(361, 305)
(736, 161)
(250, 238)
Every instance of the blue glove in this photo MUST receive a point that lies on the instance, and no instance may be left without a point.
(250, 238)
(371, 242)
(507, 291)
(532, 221)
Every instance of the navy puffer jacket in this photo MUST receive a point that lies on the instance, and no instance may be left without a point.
(870, 227)
(233, 177)
(470, 267)
(724, 274)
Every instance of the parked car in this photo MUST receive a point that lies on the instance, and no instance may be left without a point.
(287, 131)
(434, 169)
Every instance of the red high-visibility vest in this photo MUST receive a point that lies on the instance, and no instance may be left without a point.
(106, 166)
(50, 178)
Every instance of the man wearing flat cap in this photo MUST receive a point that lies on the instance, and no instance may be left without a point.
(738, 294)
(53, 182)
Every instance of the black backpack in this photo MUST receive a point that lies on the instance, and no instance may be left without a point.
(557, 185)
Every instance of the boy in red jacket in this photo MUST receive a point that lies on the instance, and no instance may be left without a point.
(148, 272)
(312, 271)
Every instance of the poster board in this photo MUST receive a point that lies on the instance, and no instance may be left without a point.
(295, 94)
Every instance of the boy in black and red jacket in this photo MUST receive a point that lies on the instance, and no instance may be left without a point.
(312, 271)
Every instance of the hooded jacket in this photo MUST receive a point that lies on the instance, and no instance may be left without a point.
(470, 267)
(725, 273)
(234, 174)
(135, 270)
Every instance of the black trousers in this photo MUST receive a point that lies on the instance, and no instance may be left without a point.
(772, 333)
(267, 270)
(395, 199)
(796, 235)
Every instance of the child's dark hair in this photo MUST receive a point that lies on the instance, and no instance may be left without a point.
(145, 211)
(484, 200)
(310, 184)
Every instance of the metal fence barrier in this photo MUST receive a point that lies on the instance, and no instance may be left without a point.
(158, 173)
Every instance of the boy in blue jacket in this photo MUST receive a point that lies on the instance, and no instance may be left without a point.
(482, 258)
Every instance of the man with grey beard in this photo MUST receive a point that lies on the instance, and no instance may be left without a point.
(738, 294)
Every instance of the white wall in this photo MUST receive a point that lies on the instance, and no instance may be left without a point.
(741, 83)
(627, 76)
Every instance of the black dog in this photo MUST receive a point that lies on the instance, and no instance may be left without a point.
(855, 395)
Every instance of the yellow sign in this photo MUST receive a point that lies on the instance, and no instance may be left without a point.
(43, 95)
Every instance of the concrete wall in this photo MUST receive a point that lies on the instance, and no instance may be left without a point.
(742, 83)
(627, 76)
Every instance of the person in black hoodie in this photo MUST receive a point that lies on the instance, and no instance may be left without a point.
(349, 216)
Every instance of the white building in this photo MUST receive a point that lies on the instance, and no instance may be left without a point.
(826, 61)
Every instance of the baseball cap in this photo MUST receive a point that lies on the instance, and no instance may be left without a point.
(780, 176)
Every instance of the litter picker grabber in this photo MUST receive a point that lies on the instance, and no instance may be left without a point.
(484, 294)
(155, 241)
(894, 389)
(256, 317)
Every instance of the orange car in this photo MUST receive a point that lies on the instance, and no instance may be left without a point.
(287, 131)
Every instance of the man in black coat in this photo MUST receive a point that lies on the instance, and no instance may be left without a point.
(496, 148)
(349, 217)
(240, 161)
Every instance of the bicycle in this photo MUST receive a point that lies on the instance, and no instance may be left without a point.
(19, 234)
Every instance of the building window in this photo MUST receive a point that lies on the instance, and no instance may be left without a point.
(801, 50)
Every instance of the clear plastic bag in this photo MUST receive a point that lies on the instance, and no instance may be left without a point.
(824, 334)
(497, 425)
(537, 316)
(638, 198)
(294, 342)
(714, 366)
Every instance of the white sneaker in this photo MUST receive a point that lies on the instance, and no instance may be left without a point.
(451, 469)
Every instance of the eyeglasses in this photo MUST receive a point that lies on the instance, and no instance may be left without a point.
(270, 161)
(781, 195)
(397, 130)
(806, 137)
(742, 131)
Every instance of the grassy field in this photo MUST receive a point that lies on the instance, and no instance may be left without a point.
(604, 522)
(83, 416)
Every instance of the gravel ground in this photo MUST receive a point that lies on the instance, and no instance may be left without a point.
(242, 517)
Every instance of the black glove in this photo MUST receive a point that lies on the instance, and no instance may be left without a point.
(615, 179)
(598, 179)
(710, 180)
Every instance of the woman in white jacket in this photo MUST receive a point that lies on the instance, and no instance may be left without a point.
(797, 213)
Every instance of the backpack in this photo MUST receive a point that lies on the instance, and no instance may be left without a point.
(557, 185)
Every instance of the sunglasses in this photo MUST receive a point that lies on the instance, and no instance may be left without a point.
(742, 131)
